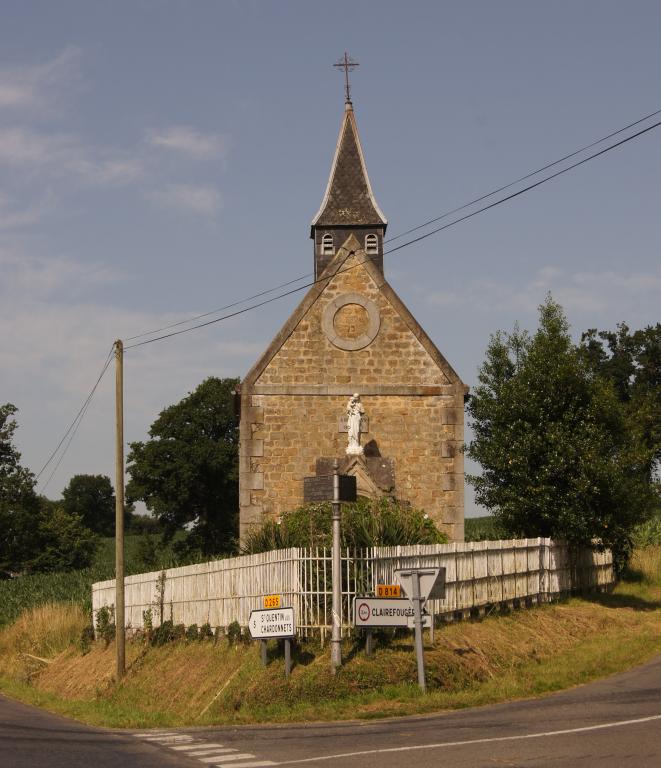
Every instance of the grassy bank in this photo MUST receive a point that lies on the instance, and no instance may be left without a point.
(521, 654)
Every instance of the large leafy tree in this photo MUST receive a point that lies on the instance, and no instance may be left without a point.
(559, 457)
(187, 472)
(92, 499)
(19, 503)
(631, 360)
(35, 534)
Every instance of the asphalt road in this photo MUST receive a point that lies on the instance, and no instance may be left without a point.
(614, 722)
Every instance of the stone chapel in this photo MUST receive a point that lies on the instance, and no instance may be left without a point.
(351, 334)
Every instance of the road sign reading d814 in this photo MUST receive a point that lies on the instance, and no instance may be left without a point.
(388, 590)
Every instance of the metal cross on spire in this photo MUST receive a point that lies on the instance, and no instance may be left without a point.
(347, 64)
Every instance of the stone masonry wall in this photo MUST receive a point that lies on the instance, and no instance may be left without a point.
(290, 413)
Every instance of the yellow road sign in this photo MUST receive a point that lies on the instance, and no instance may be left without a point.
(272, 601)
(388, 590)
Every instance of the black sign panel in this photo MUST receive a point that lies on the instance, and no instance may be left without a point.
(320, 488)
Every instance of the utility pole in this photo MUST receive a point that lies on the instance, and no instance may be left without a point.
(336, 609)
(119, 509)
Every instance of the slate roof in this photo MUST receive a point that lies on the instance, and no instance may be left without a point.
(349, 199)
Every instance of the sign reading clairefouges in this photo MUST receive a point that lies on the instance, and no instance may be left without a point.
(272, 623)
(384, 612)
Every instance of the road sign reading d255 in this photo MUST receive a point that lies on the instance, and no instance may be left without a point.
(272, 601)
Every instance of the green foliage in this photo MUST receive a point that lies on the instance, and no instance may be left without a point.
(33, 589)
(19, 505)
(365, 523)
(206, 633)
(234, 633)
(192, 633)
(631, 361)
(486, 528)
(648, 534)
(92, 499)
(163, 634)
(559, 457)
(187, 472)
(105, 624)
(63, 543)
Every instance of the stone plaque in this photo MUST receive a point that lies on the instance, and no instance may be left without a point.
(320, 488)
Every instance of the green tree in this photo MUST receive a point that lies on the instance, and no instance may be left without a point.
(35, 534)
(63, 542)
(559, 457)
(92, 499)
(19, 503)
(187, 472)
(632, 362)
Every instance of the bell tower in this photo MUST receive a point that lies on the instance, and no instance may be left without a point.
(348, 206)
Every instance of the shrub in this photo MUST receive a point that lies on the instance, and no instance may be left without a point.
(105, 623)
(205, 631)
(163, 634)
(192, 632)
(365, 523)
(234, 633)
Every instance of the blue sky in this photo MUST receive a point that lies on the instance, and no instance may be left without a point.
(162, 159)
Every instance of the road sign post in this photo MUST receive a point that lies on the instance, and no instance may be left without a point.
(417, 625)
(336, 608)
(420, 585)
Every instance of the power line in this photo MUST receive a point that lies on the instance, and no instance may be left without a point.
(523, 178)
(396, 237)
(525, 189)
(219, 309)
(75, 423)
(406, 244)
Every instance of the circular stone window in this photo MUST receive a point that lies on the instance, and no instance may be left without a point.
(351, 321)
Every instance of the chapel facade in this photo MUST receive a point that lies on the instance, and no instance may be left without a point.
(351, 334)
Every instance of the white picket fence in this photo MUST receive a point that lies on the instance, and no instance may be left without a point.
(478, 575)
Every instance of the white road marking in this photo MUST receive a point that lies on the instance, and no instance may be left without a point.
(197, 745)
(177, 739)
(439, 745)
(243, 756)
(154, 734)
(217, 753)
(256, 764)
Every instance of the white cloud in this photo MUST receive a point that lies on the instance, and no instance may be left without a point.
(201, 199)
(577, 292)
(39, 86)
(190, 142)
(55, 345)
(66, 155)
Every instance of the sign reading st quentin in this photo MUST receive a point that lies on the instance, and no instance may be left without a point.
(264, 624)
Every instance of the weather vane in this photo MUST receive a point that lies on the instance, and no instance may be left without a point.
(347, 64)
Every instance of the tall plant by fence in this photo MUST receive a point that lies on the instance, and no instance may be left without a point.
(478, 574)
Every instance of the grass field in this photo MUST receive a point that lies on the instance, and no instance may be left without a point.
(504, 656)
(24, 592)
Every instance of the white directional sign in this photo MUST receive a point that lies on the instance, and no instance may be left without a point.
(385, 612)
(432, 582)
(278, 622)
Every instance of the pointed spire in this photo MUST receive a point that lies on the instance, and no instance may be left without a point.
(349, 200)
